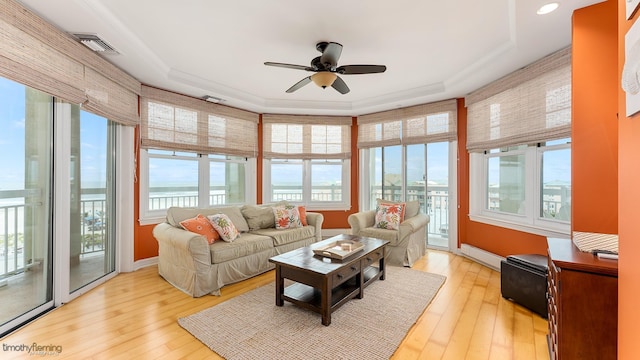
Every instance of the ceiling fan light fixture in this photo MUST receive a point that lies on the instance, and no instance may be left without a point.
(324, 78)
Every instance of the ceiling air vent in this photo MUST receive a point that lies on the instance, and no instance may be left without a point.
(93, 42)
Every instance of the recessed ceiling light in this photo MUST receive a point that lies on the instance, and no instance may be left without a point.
(545, 9)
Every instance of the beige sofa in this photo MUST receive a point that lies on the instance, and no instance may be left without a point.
(188, 262)
(407, 244)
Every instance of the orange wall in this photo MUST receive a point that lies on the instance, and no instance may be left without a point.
(144, 244)
(594, 123)
(629, 198)
(494, 239)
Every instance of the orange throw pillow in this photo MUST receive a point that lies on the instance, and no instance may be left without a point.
(201, 225)
(303, 215)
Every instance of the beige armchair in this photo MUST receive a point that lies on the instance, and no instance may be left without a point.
(407, 244)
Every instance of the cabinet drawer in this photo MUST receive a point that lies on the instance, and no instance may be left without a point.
(346, 273)
(372, 257)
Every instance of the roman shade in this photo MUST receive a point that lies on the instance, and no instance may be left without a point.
(177, 122)
(306, 137)
(426, 123)
(528, 106)
(37, 54)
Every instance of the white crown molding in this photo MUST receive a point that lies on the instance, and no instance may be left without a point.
(102, 12)
(245, 100)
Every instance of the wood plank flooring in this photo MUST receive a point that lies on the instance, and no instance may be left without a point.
(134, 316)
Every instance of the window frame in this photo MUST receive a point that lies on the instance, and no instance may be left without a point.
(149, 217)
(531, 221)
(307, 187)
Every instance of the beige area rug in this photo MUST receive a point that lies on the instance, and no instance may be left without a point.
(251, 326)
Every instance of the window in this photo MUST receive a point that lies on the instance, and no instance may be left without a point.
(520, 173)
(318, 183)
(555, 188)
(307, 160)
(412, 172)
(191, 180)
(195, 154)
(406, 155)
(526, 188)
(505, 186)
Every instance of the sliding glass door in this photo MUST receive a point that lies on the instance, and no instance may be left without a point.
(91, 246)
(25, 203)
(54, 244)
(414, 172)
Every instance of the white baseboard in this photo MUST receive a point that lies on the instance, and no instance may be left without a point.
(484, 257)
(333, 232)
(145, 263)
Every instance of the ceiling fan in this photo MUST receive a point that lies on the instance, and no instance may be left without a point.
(326, 67)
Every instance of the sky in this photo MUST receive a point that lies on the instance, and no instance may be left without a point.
(93, 140)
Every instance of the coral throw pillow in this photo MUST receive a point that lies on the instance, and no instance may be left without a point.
(201, 225)
(303, 215)
(287, 217)
(388, 216)
(222, 223)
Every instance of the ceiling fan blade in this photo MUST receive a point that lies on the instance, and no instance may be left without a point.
(289, 66)
(361, 69)
(340, 85)
(331, 54)
(299, 84)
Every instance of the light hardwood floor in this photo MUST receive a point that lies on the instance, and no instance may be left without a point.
(134, 316)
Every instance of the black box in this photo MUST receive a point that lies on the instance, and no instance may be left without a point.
(523, 279)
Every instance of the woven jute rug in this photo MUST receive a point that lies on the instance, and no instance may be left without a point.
(251, 326)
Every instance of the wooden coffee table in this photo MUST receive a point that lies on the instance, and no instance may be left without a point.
(323, 284)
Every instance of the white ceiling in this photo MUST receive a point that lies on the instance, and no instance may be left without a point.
(433, 50)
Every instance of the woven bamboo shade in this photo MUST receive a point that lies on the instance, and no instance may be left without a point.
(433, 122)
(306, 137)
(39, 55)
(530, 105)
(172, 121)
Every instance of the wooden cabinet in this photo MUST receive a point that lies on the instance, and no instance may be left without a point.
(583, 303)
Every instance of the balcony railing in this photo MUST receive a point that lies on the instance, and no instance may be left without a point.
(16, 237)
(434, 202)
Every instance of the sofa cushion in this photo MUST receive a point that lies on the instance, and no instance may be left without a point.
(244, 245)
(281, 237)
(384, 234)
(258, 216)
(177, 214)
(201, 225)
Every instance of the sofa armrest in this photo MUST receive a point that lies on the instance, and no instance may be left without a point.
(361, 220)
(411, 225)
(182, 247)
(316, 219)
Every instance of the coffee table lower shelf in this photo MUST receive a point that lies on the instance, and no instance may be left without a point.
(310, 298)
(323, 284)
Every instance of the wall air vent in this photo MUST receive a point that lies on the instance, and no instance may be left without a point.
(95, 43)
